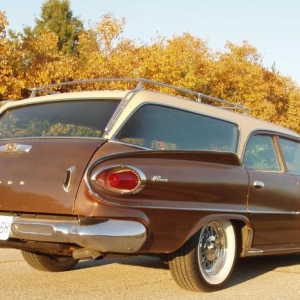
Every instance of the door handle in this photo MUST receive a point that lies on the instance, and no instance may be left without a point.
(258, 184)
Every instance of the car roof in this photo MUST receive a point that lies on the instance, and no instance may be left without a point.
(107, 94)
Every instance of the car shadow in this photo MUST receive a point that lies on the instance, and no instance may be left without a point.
(141, 261)
(245, 268)
(252, 267)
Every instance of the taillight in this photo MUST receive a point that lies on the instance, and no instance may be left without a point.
(120, 179)
(127, 180)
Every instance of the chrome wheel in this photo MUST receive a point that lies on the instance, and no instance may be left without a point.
(205, 262)
(212, 249)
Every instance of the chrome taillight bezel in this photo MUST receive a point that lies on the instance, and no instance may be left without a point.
(92, 178)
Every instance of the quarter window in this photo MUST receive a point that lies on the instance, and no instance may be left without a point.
(164, 128)
(260, 154)
(291, 155)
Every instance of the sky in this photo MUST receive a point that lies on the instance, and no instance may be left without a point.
(271, 26)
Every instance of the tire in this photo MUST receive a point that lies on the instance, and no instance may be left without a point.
(205, 262)
(49, 263)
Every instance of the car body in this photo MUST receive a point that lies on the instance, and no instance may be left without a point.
(86, 175)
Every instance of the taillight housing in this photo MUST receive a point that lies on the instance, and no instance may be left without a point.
(119, 179)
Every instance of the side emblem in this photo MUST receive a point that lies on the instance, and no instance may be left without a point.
(15, 148)
(158, 178)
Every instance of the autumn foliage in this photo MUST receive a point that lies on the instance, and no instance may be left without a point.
(37, 56)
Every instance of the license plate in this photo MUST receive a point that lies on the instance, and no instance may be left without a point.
(5, 225)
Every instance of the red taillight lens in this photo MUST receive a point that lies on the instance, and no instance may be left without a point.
(127, 180)
(120, 180)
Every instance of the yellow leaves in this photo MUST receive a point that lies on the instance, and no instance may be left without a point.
(5, 69)
(3, 24)
(108, 30)
(244, 52)
(235, 74)
(46, 43)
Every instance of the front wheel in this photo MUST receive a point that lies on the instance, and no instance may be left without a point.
(47, 262)
(205, 262)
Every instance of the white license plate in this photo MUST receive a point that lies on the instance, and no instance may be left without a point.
(5, 225)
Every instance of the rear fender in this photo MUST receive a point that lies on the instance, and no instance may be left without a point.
(185, 180)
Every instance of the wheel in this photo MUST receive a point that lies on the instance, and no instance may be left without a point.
(205, 262)
(47, 262)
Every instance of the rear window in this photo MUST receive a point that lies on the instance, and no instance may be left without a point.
(164, 128)
(87, 118)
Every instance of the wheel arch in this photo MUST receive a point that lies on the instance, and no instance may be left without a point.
(242, 226)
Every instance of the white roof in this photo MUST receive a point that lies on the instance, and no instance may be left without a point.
(66, 97)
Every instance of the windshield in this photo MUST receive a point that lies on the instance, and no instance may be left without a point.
(84, 118)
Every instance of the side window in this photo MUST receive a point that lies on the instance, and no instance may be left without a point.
(291, 155)
(260, 154)
(165, 128)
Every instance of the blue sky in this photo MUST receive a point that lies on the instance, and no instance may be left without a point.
(271, 26)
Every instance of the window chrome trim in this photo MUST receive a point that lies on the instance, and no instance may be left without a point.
(118, 112)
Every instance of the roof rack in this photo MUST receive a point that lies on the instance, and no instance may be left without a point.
(140, 86)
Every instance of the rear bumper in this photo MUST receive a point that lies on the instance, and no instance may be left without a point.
(115, 236)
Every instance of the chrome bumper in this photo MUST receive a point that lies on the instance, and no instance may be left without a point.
(116, 236)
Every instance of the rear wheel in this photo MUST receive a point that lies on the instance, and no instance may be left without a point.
(206, 261)
(49, 263)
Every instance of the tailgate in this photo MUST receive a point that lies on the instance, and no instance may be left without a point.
(43, 175)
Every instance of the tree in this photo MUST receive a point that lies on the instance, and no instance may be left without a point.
(9, 85)
(4, 68)
(238, 76)
(57, 17)
(57, 50)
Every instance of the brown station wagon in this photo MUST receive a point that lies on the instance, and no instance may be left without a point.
(86, 175)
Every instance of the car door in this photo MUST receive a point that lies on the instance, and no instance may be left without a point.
(273, 199)
(291, 153)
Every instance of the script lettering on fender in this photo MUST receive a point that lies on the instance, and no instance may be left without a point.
(158, 178)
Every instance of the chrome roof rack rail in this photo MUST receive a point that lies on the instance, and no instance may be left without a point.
(200, 96)
(45, 88)
(140, 86)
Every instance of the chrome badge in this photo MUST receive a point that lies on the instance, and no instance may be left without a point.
(158, 178)
(15, 148)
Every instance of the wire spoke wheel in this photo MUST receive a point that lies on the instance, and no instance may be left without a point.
(212, 249)
(205, 262)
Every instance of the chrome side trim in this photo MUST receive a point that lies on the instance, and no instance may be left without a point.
(186, 206)
(118, 236)
(15, 148)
